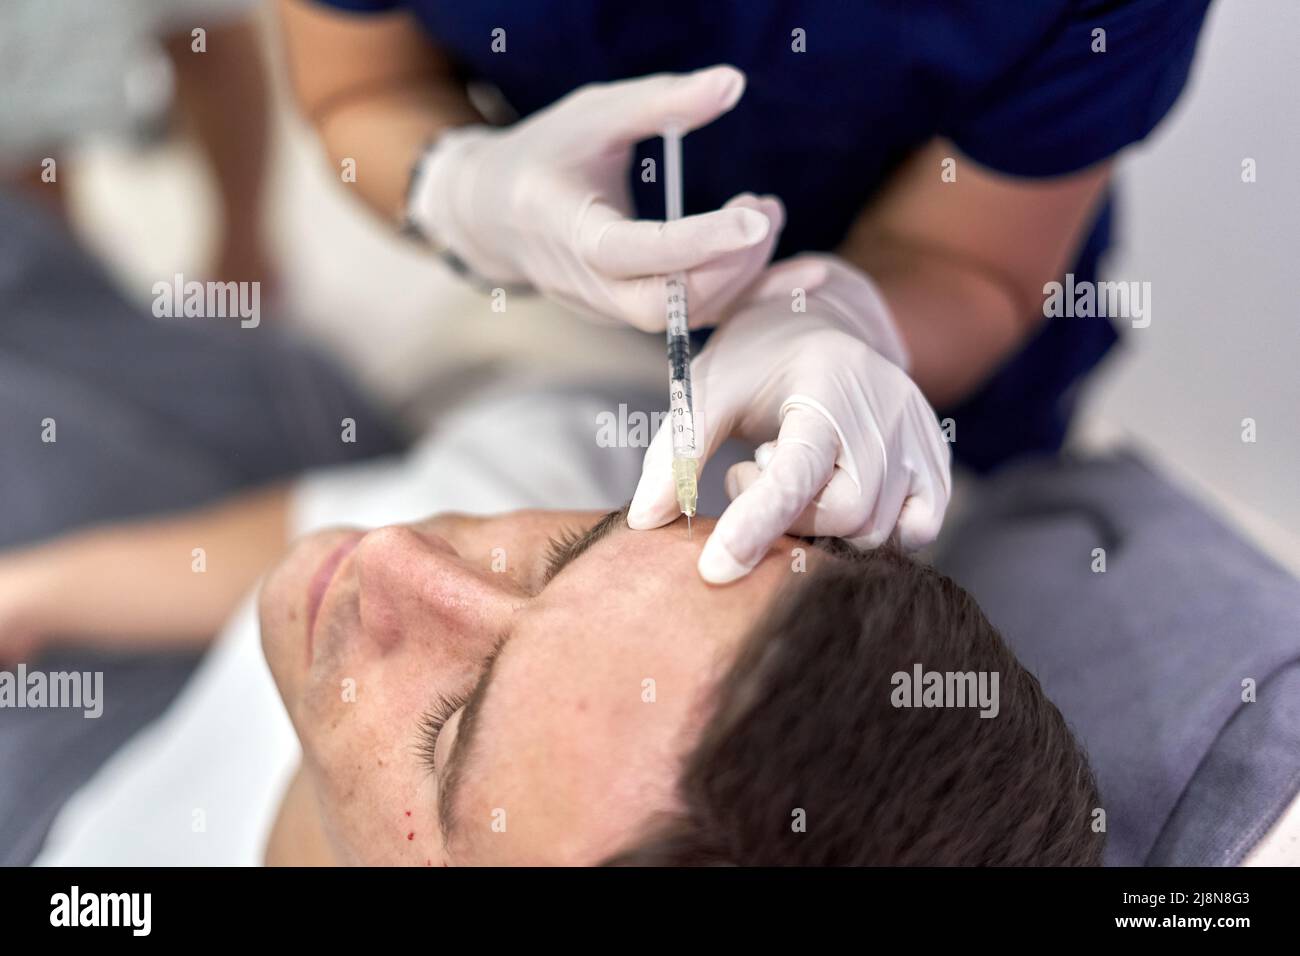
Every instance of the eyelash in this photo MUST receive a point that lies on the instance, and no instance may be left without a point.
(431, 724)
(433, 720)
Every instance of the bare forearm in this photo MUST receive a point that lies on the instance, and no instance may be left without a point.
(375, 89)
(224, 99)
(962, 261)
(383, 133)
(165, 580)
(959, 322)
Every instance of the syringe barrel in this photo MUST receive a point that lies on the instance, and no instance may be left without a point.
(681, 401)
(673, 171)
(679, 357)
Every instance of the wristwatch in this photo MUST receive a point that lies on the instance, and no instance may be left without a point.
(417, 183)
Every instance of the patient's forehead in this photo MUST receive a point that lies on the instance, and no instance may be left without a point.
(647, 583)
(631, 626)
(601, 690)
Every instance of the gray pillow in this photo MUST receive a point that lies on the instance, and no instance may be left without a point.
(1147, 659)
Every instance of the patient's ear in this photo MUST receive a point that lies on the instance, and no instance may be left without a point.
(298, 837)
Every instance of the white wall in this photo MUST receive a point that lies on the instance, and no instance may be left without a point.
(1221, 255)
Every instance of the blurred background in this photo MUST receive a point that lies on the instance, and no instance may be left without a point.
(1222, 345)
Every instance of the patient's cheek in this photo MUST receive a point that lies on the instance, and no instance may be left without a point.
(275, 629)
(377, 802)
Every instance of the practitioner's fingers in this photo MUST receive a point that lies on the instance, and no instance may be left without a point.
(714, 279)
(797, 470)
(655, 502)
(625, 112)
(839, 510)
(624, 248)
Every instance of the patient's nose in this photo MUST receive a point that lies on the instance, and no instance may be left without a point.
(414, 586)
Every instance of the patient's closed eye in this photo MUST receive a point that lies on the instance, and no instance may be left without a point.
(431, 724)
(433, 720)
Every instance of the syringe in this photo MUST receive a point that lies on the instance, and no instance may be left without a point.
(681, 404)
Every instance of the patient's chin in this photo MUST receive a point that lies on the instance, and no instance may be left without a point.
(297, 837)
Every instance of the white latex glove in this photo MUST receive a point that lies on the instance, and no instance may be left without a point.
(850, 447)
(546, 202)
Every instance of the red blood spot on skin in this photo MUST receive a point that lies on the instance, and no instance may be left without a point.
(411, 835)
(408, 813)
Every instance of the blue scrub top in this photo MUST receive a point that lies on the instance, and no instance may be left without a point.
(1015, 84)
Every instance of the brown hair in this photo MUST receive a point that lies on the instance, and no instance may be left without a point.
(804, 722)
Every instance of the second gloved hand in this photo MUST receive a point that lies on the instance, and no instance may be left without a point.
(546, 202)
(850, 448)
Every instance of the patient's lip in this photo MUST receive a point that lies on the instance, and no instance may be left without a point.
(321, 580)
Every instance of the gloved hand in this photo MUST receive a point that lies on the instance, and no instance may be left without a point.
(546, 202)
(850, 446)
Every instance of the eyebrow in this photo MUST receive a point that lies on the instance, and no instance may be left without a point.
(453, 775)
(565, 551)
